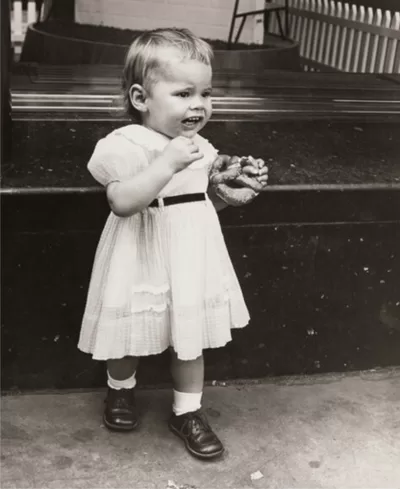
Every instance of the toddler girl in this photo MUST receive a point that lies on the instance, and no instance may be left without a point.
(162, 277)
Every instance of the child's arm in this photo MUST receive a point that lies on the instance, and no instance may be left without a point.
(131, 196)
(218, 203)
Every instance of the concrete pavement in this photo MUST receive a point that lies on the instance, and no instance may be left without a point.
(325, 432)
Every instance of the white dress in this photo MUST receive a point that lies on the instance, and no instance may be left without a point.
(162, 277)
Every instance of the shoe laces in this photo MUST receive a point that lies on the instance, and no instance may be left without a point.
(123, 400)
(121, 403)
(198, 423)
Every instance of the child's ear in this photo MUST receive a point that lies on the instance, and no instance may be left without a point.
(138, 96)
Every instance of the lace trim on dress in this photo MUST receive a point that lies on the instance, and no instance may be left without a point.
(150, 298)
(160, 308)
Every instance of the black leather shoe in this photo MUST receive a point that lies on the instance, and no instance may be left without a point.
(197, 434)
(120, 412)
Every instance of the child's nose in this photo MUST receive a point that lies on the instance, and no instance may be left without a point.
(197, 103)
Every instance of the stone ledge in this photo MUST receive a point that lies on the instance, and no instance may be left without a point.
(304, 153)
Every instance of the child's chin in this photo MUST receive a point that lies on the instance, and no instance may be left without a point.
(190, 132)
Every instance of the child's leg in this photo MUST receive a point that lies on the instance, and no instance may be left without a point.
(122, 368)
(188, 380)
(120, 411)
(187, 375)
(187, 421)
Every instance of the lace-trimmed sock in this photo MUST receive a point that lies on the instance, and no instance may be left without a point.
(128, 383)
(186, 402)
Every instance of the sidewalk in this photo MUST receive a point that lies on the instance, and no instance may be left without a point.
(332, 431)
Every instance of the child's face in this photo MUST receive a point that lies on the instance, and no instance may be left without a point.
(179, 103)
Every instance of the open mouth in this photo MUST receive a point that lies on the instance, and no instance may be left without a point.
(192, 121)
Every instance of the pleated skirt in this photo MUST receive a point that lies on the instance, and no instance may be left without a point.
(162, 278)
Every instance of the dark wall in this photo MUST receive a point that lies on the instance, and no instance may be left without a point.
(62, 10)
(320, 268)
(320, 273)
(5, 81)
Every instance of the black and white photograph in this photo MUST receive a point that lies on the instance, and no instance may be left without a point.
(200, 237)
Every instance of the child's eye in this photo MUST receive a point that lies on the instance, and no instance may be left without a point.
(183, 94)
(207, 94)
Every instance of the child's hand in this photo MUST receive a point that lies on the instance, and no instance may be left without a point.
(180, 153)
(255, 172)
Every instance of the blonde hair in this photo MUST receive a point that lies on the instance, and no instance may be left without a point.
(143, 59)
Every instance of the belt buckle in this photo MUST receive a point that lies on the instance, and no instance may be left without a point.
(160, 201)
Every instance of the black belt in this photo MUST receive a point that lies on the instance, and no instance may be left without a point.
(178, 199)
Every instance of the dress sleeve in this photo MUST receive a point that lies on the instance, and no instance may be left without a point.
(116, 159)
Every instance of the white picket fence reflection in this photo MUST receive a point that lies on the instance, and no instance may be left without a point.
(341, 36)
(20, 19)
(332, 35)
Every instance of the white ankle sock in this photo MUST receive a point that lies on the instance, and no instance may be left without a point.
(186, 402)
(128, 383)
